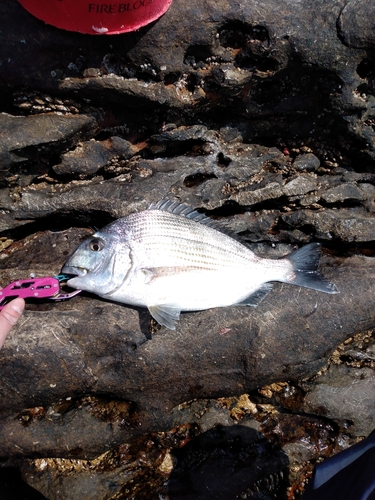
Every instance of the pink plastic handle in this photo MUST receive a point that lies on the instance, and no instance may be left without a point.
(38, 288)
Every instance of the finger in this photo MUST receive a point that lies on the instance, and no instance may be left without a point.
(9, 317)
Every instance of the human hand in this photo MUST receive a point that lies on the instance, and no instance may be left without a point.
(9, 317)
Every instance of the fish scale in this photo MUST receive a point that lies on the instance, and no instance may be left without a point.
(171, 258)
(213, 252)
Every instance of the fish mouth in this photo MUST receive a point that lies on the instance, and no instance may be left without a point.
(74, 271)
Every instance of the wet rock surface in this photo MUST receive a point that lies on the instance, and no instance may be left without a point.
(259, 115)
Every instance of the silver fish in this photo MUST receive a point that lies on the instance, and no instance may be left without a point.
(171, 258)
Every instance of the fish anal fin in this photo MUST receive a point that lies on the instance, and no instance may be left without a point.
(256, 297)
(165, 314)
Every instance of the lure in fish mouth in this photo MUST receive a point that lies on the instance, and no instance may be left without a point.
(171, 258)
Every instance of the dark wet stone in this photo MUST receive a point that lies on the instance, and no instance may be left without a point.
(355, 27)
(345, 192)
(183, 134)
(12, 486)
(301, 437)
(37, 253)
(306, 163)
(271, 191)
(231, 134)
(347, 225)
(7, 222)
(135, 94)
(135, 470)
(300, 185)
(28, 138)
(345, 395)
(89, 157)
(208, 467)
(233, 68)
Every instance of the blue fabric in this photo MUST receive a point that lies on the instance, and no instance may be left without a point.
(349, 475)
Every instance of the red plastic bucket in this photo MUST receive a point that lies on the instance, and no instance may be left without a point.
(106, 17)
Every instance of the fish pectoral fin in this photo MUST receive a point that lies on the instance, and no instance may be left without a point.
(152, 273)
(149, 274)
(165, 314)
(256, 297)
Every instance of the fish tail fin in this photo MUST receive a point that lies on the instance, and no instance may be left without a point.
(305, 263)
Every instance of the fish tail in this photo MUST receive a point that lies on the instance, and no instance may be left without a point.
(305, 263)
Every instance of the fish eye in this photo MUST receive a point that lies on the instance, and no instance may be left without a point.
(96, 245)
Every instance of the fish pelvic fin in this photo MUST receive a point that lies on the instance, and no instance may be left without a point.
(305, 263)
(165, 314)
(256, 297)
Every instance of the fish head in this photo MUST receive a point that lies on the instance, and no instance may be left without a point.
(100, 263)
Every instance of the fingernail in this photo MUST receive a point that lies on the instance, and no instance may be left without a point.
(17, 308)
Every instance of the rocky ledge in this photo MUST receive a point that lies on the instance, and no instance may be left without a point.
(259, 115)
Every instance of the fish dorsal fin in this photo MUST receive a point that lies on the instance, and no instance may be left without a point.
(177, 208)
(165, 314)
